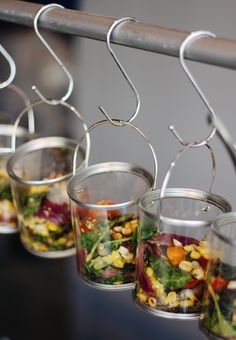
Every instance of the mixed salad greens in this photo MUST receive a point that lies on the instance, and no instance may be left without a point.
(45, 220)
(219, 303)
(8, 217)
(106, 245)
(170, 271)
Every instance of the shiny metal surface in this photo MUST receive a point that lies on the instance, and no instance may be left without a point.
(102, 168)
(38, 144)
(186, 193)
(214, 51)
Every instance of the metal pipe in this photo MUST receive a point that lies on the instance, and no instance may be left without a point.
(213, 51)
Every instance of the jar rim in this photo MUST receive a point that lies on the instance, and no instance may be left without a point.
(36, 145)
(221, 221)
(102, 168)
(208, 198)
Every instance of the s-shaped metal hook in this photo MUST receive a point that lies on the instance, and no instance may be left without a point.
(189, 38)
(12, 68)
(58, 60)
(108, 41)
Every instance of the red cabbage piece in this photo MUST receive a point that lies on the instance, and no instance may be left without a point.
(166, 239)
(59, 214)
(143, 279)
(109, 273)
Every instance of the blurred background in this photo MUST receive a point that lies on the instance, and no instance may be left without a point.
(46, 299)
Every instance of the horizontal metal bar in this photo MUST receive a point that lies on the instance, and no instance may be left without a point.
(213, 51)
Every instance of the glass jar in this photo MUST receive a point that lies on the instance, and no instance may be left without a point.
(218, 318)
(173, 251)
(39, 171)
(104, 204)
(8, 215)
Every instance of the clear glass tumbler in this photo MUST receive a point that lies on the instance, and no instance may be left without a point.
(173, 251)
(39, 171)
(8, 215)
(218, 318)
(104, 204)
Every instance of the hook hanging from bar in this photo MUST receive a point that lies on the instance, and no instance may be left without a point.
(108, 41)
(12, 68)
(58, 60)
(183, 46)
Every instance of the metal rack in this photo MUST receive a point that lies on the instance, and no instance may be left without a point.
(213, 51)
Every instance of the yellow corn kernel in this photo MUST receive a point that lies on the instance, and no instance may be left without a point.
(115, 255)
(117, 236)
(186, 266)
(171, 298)
(186, 303)
(127, 224)
(198, 273)
(70, 243)
(40, 247)
(142, 297)
(195, 255)
(129, 258)
(149, 271)
(61, 240)
(107, 259)
(35, 189)
(134, 224)
(160, 291)
(152, 302)
(127, 231)
(52, 226)
(154, 281)
(188, 248)
(205, 252)
(119, 263)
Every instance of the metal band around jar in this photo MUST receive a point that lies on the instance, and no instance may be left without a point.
(120, 123)
(65, 104)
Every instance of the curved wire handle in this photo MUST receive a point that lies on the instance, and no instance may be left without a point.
(109, 33)
(172, 165)
(21, 93)
(65, 104)
(119, 123)
(12, 68)
(183, 46)
(58, 60)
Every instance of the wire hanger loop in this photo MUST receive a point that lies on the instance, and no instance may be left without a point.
(58, 60)
(137, 97)
(183, 46)
(120, 123)
(12, 68)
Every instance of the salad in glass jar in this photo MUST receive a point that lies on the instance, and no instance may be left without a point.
(8, 217)
(218, 319)
(170, 272)
(106, 245)
(45, 220)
